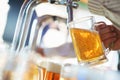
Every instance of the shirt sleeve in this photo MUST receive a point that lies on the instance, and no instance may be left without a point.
(108, 8)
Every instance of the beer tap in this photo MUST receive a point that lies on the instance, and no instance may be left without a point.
(69, 10)
(25, 15)
(22, 22)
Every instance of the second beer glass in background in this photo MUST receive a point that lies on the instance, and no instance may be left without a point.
(52, 71)
(87, 44)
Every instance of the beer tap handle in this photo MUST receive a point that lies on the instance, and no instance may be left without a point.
(69, 10)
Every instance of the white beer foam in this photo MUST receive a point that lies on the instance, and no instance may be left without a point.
(53, 67)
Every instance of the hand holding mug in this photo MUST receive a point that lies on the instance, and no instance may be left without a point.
(109, 35)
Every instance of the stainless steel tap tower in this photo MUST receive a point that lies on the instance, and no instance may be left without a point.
(25, 15)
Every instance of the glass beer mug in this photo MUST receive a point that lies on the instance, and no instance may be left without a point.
(86, 40)
(52, 71)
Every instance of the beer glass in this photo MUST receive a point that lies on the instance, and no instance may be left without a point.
(87, 43)
(53, 71)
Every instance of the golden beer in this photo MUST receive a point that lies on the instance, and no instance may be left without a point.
(87, 45)
(8, 75)
(53, 71)
(31, 73)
